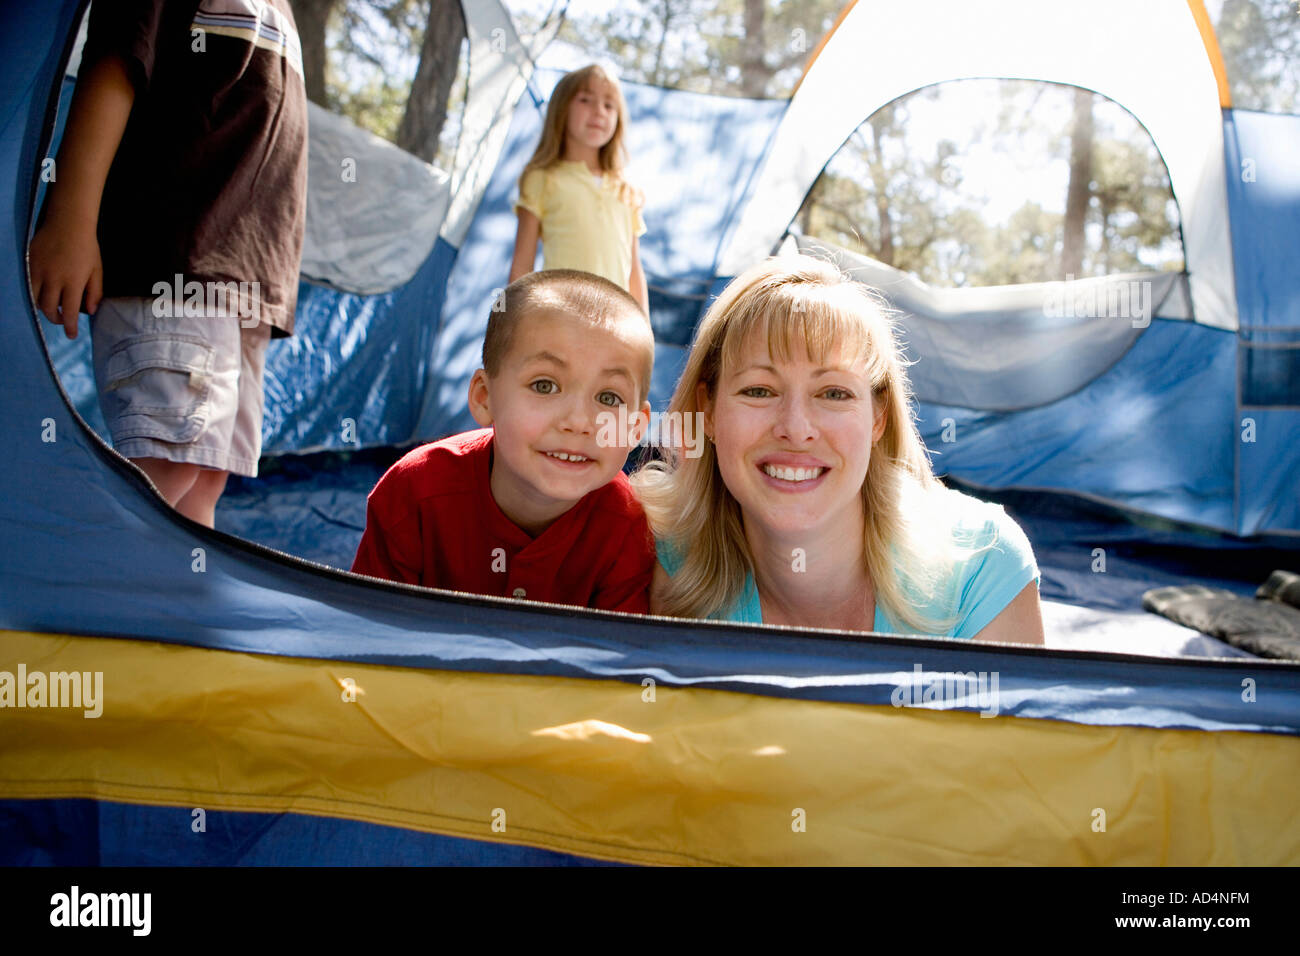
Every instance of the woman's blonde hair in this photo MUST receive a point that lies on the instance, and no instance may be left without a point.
(550, 148)
(792, 303)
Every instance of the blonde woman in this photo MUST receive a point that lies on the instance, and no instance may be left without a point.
(813, 502)
(573, 195)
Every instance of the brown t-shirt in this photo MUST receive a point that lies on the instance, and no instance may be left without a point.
(210, 180)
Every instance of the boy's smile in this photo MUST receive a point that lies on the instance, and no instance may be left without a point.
(546, 403)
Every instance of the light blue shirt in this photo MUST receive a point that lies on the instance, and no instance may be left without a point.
(976, 589)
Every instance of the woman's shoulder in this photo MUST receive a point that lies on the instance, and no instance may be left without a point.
(980, 524)
(988, 561)
(992, 551)
(969, 539)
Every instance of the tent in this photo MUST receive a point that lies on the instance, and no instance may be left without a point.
(256, 707)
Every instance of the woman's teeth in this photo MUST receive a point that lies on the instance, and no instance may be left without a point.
(563, 456)
(792, 474)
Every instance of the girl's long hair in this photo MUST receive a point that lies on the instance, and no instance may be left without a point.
(550, 148)
(801, 304)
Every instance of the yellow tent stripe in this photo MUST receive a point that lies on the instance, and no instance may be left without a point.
(592, 767)
(1212, 50)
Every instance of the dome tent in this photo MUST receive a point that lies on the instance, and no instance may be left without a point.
(320, 717)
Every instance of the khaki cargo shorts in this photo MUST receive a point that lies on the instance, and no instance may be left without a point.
(185, 389)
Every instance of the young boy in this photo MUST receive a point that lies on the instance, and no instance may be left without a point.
(184, 164)
(534, 505)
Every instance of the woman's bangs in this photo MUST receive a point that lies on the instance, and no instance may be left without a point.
(799, 326)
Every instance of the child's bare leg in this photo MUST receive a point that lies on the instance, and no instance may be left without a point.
(200, 502)
(173, 478)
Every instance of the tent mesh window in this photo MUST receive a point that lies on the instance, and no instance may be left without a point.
(999, 182)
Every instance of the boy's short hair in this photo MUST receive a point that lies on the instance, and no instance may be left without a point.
(579, 293)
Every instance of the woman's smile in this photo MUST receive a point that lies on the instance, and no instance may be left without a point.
(793, 473)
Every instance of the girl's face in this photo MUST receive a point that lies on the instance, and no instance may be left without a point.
(593, 116)
(794, 439)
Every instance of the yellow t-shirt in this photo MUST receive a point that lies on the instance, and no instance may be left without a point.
(584, 223)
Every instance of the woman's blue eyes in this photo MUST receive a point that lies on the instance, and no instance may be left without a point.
(762, 391)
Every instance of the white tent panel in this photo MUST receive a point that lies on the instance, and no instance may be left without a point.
(1010, 347)
(499, 69)
(373, 210)
(1148, 57)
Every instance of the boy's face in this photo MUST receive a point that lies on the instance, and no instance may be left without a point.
(554, 404)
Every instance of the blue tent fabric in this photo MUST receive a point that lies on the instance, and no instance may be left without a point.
(103, 833)
(1264, 210)
(1155, 433)
(353, 373)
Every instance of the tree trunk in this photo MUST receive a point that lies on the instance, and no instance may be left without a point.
(753, 70)
(880, 182)
(1106, 209)
(426, 106)
(1079, 192)
(311, 16)
(657, 75)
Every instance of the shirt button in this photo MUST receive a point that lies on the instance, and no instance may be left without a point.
(520, 592)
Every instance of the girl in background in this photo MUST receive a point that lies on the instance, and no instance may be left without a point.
(572, 194)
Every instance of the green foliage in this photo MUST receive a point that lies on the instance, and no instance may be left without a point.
(698, 45)
(373, 47)
(1260, 43)
(372, 104)
(373, 51)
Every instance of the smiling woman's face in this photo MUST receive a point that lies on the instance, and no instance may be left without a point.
(794, 438)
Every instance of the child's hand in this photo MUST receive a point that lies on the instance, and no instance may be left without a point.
(65, 266)
(64, 254)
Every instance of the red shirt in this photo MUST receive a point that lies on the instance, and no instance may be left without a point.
(432, 520)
